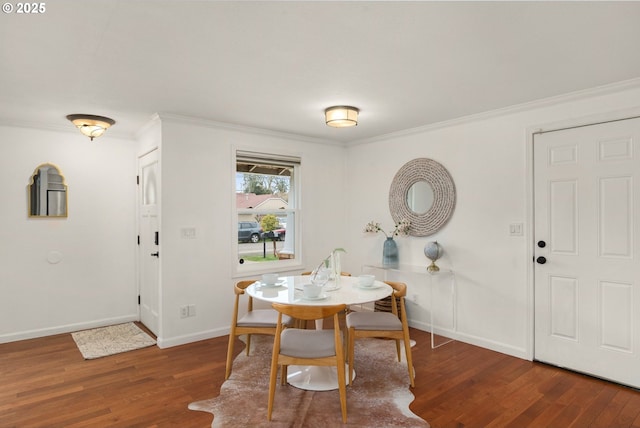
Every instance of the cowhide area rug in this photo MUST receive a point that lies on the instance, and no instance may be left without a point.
(380, 394)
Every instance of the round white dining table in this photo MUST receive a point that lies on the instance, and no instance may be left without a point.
(288, 290)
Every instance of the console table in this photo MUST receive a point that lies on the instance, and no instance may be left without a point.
(442, 296)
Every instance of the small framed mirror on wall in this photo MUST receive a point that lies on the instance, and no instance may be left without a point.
(422, 192)
(47, 192)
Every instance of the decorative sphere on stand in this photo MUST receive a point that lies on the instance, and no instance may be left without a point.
(433, 251)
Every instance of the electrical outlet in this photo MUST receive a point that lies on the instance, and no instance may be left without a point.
(414, 297)
(192, 310)
(184, 311)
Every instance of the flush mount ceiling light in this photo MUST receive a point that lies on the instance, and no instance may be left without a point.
(341, 116)
(90, 125)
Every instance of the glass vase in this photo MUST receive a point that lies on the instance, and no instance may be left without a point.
(390, 253)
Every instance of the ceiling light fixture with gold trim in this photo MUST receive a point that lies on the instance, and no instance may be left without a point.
(90, 125)
(341, 116)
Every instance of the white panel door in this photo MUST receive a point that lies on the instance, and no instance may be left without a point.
(587, 270)
(149, 248)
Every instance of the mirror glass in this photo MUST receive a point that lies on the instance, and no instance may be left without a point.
(420, 197)
(47, 192)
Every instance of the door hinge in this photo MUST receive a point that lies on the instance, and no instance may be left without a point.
(138, 239)
(138, 299)
(138, 180)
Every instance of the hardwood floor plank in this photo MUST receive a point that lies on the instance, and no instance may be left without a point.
(611, 410)
(594, 408)
(629, 413)
(46, 383)
(550, 390)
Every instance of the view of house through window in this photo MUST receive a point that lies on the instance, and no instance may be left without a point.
(266, 207)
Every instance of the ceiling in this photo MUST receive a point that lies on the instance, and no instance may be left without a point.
(278, 65)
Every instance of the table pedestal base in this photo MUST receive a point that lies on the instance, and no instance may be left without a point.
(315, 378)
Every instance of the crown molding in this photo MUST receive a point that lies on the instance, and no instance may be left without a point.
(164, 116)
(517, 108)
(41, 126)
(36, 125)
(243, 128)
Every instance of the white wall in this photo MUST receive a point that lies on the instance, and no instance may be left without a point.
(488, 161)
(342, 189)
(94, 283)
(197, 185)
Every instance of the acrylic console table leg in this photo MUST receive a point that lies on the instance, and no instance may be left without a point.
(436, 279)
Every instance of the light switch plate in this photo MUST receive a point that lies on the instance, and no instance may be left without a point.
(516, 229)
(188, 233)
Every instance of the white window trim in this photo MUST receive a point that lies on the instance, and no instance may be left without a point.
(286, 265)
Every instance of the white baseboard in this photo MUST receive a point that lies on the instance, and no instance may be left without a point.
(482, 342)
(492, 345)
(189, 338)
(68, 328)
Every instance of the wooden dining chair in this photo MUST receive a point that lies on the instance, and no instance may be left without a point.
(293, 346)
(255, 321)
(389, 325)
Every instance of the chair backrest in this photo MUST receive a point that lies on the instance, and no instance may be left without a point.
(399, 288)
(242, 285)
(398, 295)
(308, 312)
(239, 290)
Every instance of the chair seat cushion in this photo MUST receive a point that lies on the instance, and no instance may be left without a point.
(373, 321)
(262, 318)
(300, 343)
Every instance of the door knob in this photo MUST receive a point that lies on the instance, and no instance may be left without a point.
(542, 244)
(541, 260)
(156, 254)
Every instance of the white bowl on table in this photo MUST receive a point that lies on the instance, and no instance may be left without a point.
(311, 291)
(366, 281)
(269, 278)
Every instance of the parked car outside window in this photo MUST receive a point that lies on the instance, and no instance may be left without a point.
(277, 234)
(249, 231)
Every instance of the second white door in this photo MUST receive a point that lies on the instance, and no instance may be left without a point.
(587, 272)
(149, 246)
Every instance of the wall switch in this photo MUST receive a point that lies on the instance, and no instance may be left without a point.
(516, 229)
(192, 310)
(184, 311)
(188, 233)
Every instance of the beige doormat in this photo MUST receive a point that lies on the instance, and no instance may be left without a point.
(380, 394)
(103, 341)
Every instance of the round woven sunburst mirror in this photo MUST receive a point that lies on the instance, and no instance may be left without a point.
(422, 192)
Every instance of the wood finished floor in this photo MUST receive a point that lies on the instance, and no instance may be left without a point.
(46, 383)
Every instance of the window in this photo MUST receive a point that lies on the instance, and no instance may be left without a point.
(267, 211)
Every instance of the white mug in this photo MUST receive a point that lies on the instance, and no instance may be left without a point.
(311, 291)
(270, 278)
(366, 280)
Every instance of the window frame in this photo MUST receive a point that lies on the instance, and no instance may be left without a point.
(294, 208)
